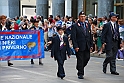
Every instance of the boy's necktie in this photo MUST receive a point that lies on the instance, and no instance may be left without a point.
(61, 42)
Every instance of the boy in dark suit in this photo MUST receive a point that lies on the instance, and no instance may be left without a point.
(60, 46)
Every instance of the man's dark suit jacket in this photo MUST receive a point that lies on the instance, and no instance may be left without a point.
(56, 52)
(107, 36)
(79, 38)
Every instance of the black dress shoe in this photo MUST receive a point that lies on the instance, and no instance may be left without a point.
(80, 77)
(32, 62)
(58, 75)
(10, 64)
(40, 63)
(115, 73)
(104, 70)
(62, 77)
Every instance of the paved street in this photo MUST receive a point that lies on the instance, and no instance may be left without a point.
(23, 72)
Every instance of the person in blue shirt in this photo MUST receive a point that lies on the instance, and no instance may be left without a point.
(51, 32)
(18, 20)
(59, 22)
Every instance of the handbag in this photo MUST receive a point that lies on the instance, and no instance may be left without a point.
(99, 33)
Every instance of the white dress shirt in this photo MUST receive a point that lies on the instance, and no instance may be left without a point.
(112, 24)
(61, 38)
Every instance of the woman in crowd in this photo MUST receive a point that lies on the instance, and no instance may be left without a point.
(21, 23)
(15, 25)
(104, 19)
(121, 28)
(26, 25)
(40, 21)
(90, 21)
(94, 28)
(120, 54)
(45, 27)
(51, 32)
(99, 31)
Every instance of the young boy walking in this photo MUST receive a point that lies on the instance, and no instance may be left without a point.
(60, 46)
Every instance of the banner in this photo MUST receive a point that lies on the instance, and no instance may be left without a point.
(21, 45)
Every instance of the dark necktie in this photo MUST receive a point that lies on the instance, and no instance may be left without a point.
(83, 25)
(115, 32)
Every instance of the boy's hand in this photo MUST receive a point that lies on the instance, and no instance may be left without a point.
(50, 42)
(51, 56)
(76, 49)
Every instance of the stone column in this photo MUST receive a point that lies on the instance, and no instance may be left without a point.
(123, 11)
(10, 8)
(104, 7)
(42, 8)
(80, 5)
(58, 7)
(4, 9)
(68, 7)
(74, 8)
(14, 8)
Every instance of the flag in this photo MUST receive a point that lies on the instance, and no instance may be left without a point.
(21, 45)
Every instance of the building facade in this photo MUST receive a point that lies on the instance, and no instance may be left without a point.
(12, 8)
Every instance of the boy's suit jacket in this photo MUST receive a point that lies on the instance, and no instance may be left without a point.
(58, 53)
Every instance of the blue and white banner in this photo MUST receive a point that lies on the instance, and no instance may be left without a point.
(21, 45)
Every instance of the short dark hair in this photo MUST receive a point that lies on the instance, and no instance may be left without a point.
(94, 22)
(51, 16)
(95, 16)
(58, 16)
(59, 28)
(17, 17)
(39, 18)
(105, 17)
(69, 17)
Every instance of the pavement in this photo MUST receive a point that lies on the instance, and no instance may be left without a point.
(24, 72)
(98, 56)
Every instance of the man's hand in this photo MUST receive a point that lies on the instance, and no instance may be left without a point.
(50, 42)
(68, 56)
(76, 49)
(91, 48)
(104, 43)
(51, 56)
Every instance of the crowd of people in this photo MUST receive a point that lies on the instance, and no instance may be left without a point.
(50, 29)
(67, 26)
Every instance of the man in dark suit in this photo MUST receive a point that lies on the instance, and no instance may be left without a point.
(82, 42)
(111, 39)
(60, 46)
